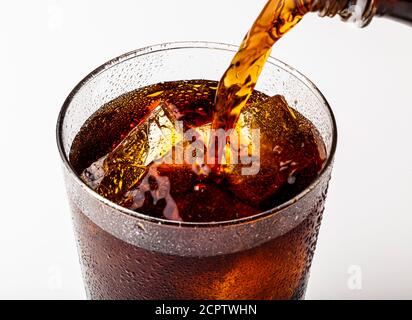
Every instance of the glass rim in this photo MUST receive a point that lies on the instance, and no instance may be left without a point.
(193, 45)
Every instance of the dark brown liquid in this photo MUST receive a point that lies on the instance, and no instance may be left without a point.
(291, 154)
(277, 269)
(239, 80)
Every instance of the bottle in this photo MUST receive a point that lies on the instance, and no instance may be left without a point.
(275, 20)
(362, 12)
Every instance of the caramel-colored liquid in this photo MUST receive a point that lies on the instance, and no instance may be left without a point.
(292, 154)
(239, 80)
(276, 269)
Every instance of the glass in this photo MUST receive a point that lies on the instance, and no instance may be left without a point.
(127, 255)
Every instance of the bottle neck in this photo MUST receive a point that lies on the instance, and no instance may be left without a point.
(400, 10)
(359, 12)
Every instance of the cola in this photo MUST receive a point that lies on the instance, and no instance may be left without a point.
(292, 154)
(122, 161)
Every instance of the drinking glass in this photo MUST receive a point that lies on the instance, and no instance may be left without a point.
(127, 255)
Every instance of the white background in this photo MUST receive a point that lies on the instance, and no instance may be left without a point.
(46, 47)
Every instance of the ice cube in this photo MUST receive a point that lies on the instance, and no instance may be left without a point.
(118, 172)
(149, 170)
(291, 152)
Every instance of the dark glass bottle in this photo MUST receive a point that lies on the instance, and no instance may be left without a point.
(363, 11)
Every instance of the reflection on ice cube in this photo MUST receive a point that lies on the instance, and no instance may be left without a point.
(123, 175)
(118, 172)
